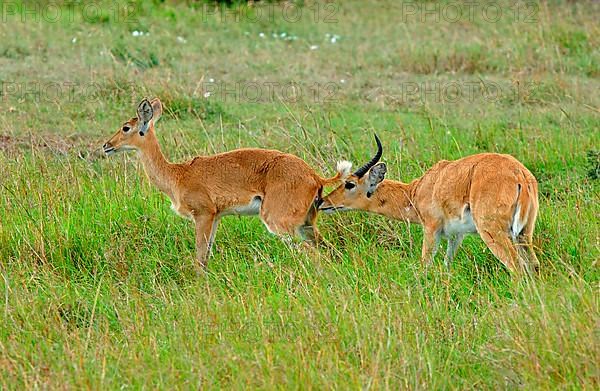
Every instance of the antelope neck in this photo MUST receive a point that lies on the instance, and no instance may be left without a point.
(160, 172)
(396, 200)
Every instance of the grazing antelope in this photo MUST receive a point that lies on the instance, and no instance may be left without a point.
(279, 187)
(490, 194)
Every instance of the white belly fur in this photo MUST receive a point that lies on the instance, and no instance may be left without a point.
(180, 214)
(462, 225)
(253, 208)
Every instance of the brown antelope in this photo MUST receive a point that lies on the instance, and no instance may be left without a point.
(490, 194)
(279, 187)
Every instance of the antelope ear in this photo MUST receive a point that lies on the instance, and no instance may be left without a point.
(145, 114)
(157, 109)
(376, 175)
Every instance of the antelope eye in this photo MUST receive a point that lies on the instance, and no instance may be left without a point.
(126, 128)
(350, 185)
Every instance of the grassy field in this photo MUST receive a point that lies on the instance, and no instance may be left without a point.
(98, 289)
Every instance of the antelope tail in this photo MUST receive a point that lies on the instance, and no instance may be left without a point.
(522, 206)
(343, 171)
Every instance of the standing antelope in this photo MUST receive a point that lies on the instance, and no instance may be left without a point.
(279, 187)
(490, 194)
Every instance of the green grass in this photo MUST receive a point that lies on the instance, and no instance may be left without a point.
(98, 289)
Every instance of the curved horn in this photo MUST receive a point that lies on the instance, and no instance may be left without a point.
(363, 170)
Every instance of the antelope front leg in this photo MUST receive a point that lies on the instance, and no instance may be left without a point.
(431, 242)
(454, 242)
(206, 225)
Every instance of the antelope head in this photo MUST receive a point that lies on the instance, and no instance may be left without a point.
(134, 132)
(357, 189)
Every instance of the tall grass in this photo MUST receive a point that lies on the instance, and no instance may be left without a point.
(98, 288)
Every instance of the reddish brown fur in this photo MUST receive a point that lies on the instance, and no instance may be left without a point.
(208, 187)
(482, 187)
